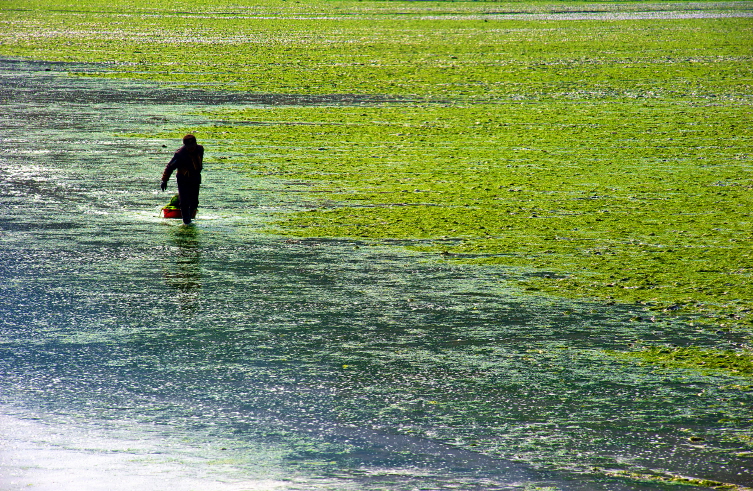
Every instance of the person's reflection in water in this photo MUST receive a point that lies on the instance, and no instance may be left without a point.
(184, 275)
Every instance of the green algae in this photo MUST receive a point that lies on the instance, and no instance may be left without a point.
(634, 203)
(378, 161)
(678, 480)
(610, 155)
(440, 50)
(174, 203)
(738, 363)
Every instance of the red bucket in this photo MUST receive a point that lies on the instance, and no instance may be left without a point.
(174, 213)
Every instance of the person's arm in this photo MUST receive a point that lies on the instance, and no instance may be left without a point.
(169, 168)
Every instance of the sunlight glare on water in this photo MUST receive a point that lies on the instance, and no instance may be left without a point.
(64, 455)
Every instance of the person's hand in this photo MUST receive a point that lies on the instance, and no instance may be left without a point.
(163, 185)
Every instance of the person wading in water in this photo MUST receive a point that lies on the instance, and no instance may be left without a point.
(188, 161)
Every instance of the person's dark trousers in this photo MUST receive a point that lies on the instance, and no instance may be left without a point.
(188, 190)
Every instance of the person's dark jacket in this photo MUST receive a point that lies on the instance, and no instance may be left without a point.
(188, 162)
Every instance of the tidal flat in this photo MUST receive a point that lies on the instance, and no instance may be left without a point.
(600, 151)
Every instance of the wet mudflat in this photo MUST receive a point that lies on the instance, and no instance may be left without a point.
(220, 357)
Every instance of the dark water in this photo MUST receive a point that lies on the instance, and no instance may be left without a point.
(139, 353)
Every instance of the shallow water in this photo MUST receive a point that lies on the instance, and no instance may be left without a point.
(137, 352)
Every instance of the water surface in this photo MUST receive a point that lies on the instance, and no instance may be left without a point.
(139, 353)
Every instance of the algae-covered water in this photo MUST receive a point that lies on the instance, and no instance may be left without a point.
(138, 353)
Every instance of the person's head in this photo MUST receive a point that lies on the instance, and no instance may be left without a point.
(189, 140)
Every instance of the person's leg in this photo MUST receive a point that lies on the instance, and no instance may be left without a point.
(195, 201)
(189, 199)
